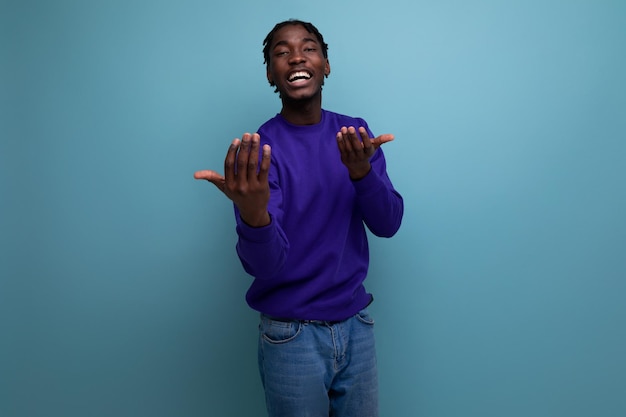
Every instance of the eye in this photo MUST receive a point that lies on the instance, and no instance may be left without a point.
(281, 53)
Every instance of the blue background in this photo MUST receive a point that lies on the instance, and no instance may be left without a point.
(503, 294)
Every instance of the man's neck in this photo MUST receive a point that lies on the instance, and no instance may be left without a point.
(302, 113)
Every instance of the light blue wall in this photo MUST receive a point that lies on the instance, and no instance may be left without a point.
(502, 295)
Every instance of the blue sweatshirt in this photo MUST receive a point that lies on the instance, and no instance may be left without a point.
(310, 262)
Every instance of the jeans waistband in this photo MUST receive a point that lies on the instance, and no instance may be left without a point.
(321, 322)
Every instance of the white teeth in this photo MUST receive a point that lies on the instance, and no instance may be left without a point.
(299, 76)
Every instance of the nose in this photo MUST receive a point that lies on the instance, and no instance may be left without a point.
(296, 57)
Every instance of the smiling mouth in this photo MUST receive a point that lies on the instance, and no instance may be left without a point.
(299, 75)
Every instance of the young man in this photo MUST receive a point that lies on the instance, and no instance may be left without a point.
(304, 188)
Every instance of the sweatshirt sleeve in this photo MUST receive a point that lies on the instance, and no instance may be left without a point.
(381, 205)
(263, 250)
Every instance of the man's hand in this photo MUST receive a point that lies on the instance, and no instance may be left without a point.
(355, 153)
(244, 181)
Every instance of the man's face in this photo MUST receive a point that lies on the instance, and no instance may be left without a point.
(297, 65)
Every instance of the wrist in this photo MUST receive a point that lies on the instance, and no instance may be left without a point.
(357, 174)
(256, 220)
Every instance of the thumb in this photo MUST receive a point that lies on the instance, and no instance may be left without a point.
(379, 140)
(212, 177)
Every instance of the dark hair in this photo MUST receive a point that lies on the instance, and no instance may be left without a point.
(267, 42)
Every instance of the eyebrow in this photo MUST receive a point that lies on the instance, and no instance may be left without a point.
(304, 40)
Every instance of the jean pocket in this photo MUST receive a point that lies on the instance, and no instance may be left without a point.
(278, 331)
(364, 317)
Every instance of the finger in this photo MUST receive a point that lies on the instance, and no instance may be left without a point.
(229, 163)
(253, 158)
(368, 146)
(242, 157)
(353, 140)
(265, 164)
(340, 140)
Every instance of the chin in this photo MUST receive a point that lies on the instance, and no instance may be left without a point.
(300, 95)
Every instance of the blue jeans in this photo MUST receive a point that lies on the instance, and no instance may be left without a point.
(319, 369)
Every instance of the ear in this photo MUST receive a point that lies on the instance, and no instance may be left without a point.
(269, 78)
(327, 68)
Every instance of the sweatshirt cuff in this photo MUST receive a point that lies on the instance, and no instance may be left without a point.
(369, 184)
(256, 234)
